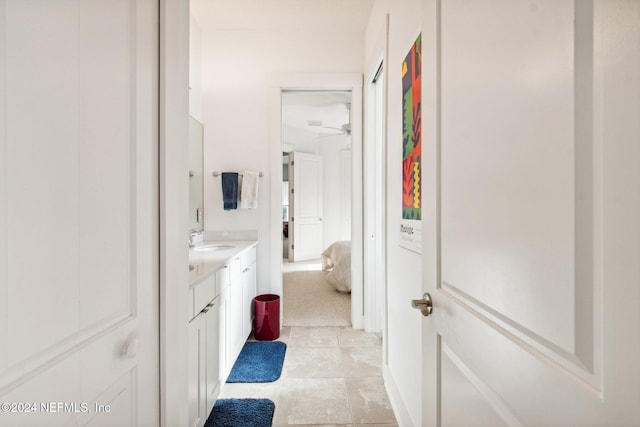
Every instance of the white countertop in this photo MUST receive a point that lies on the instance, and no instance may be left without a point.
(207, 262)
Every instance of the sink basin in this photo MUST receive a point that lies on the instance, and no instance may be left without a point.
(213, 247)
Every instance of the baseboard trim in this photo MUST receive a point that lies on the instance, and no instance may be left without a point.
(399, 408)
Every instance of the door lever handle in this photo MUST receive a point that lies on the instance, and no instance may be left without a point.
(425, 304)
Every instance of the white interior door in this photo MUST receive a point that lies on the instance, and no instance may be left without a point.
(345, 195)
(78, 213)
(531, 241)
(374, 202)
(305, 206)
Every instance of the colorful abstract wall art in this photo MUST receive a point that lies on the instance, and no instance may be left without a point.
(410, 225)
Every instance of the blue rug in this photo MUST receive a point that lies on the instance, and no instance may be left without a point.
(258, 362)
(241, 413)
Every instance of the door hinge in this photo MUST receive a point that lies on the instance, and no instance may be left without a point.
(291, 219)
(292, 191)
(293, 246)
(292, 162)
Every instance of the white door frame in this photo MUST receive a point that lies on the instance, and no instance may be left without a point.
(317, 81)
(174, 202)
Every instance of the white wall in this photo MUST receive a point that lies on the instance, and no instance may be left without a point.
(404, 274)
(195, 69)
(237, 65)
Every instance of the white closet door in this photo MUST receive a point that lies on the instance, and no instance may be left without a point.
(78, 212)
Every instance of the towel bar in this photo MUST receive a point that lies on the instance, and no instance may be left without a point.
(217, 174)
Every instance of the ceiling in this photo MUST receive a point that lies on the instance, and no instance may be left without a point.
(348, 16)
(312, 116)
(319, 112)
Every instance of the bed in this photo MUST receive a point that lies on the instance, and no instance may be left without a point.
(336, 259)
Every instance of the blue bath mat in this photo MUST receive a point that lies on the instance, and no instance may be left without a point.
(258, 362)
(241, 412)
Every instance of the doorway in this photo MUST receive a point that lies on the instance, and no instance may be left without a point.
(348, 151)
(316, 206)
(316, 146)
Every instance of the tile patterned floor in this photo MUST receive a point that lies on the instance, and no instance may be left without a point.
(332, 376)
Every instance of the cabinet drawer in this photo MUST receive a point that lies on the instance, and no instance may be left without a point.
(204, 293)
(248, 257)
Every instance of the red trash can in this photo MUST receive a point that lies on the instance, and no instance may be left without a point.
(266, 321)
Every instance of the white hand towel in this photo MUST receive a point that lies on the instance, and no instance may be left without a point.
(249, 191)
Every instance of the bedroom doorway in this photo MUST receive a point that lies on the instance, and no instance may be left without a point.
(316, 207)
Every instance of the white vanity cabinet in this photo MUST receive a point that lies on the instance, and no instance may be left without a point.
(220, 312)
(204, 347)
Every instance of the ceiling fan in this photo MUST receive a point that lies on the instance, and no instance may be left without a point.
(345, 129)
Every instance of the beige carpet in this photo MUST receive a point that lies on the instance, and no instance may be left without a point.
(309, 300)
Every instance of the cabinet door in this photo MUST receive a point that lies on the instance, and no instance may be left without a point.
(222, 278)
(212, 316)
(236, 340)
(196, 371)
(248, 293)
(223, 337)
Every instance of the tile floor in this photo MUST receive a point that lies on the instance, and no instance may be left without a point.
(332, 376)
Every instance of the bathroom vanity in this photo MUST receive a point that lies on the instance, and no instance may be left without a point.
(222, 285)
